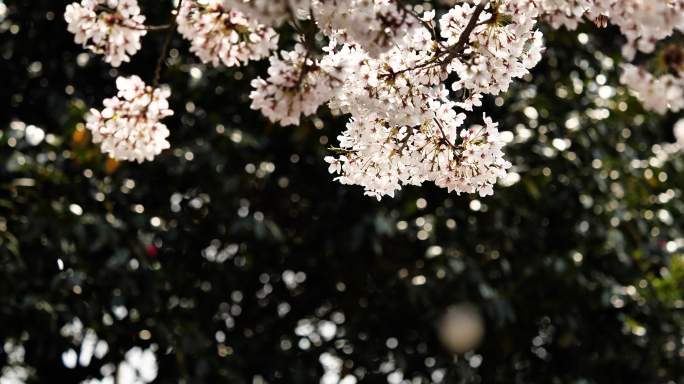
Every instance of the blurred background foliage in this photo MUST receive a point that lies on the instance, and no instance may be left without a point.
(237, 259)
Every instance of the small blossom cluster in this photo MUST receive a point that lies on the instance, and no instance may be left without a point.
(678, 131)
(220, 35)
(568, 13)
(130, 127)
(112, 28)
(656, 93)
(644, 23)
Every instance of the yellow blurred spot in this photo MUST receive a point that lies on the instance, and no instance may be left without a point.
(111, 165)
(80, 135)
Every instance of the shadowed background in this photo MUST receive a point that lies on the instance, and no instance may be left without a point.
(237, 259)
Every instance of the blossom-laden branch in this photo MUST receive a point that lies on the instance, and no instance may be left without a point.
(389, 68)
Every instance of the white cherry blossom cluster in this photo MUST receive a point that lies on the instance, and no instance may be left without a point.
(112, 28)
(219, 35)
(375, 25)
(405, 129)
(130, 127)
(504, 45)
(388, 87)
(656, 93)
(297, 85)
(383, 157)
(643, 22)
(567, 13)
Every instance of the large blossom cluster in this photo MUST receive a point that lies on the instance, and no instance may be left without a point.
(406, 80)
(405, 128)
(112, 28)
(130, 127)
(220, 35)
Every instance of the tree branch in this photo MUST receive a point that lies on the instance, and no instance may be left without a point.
(457, 48)
(453, 51)
(165, 47)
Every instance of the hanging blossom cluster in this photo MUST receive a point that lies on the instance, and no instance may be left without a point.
(220, 35)
(405, 128)
(382, 157)
(112, 28)
(407, 81)
(129, 127)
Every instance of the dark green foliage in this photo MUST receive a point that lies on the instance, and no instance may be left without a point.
(574, 267)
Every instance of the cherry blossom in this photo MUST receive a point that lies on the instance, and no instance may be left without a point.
(678, 131)
(112, 28)
(220, 35)
(500, 48)
(407, 81)
(129, 126)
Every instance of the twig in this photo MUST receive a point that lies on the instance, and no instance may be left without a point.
(165, 46)
(409, 10)
(457, 48)
(154, 28)
(444, 136)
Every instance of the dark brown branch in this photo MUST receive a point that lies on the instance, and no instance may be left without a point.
(165, 46)
(444, 136)
(154, 28)
(117, 19)
(457, 48)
